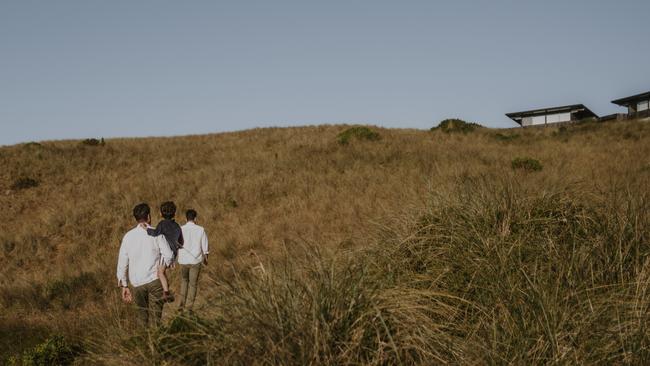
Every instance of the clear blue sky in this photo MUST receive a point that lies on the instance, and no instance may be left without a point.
(91, 68)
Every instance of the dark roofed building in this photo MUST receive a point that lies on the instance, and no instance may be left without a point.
(545, 116)
(638, 106)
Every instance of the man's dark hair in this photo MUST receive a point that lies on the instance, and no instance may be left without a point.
(168, 210)
(190, 215)
(141, 212)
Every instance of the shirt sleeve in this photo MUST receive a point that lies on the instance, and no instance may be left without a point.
(122, 266)
(166, 253)
(181, 241)
(204, 243)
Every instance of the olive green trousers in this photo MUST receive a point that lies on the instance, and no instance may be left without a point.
(189, 283)
(149, 300)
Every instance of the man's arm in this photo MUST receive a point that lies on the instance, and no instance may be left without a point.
(122, 266)
(204, 247)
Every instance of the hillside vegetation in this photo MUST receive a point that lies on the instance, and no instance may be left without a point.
(482, 247)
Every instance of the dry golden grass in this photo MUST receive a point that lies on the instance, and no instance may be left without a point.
(273, 192)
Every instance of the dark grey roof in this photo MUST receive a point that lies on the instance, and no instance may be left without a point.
(624, 102)
(579, 109)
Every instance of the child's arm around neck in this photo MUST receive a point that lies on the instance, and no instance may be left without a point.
(157, 231)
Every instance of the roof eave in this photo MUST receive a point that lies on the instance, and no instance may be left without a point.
(624, 102)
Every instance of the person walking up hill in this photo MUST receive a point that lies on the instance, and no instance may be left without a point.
(190, 258)
(139, 258)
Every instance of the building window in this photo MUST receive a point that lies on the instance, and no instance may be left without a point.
(559, 117)
(539, 120)
(642, 106)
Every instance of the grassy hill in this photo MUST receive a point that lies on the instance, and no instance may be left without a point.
(490, 246)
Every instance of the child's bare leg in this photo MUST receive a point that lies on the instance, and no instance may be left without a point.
(163, 278)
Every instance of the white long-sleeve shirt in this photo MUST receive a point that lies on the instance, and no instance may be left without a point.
(195, 246)
(140, 255)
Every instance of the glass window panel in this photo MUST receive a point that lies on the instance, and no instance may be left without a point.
(553, 118)
(539, 120)
(565, 117)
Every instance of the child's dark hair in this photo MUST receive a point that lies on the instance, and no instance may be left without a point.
(141, 212)
(168, 210)
(190, 215)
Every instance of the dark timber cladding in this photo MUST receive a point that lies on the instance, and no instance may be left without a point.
(637, 105)
(544, 116)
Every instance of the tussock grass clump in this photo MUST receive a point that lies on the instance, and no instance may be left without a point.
(361, 133)
(312, 308)
(24, 183)
(454, 125)
(526, 164)
(541, 280)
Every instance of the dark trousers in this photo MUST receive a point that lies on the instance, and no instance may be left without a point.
(148, 299)
(189, 283)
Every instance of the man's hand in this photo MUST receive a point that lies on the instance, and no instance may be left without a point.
(205, 260)
(126, 295)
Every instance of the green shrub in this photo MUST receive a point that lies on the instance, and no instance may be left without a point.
(527, 164)
(32, 144)
(453, 125)
(359, 133)
(93, 142)
(24, 183)
(55, 351)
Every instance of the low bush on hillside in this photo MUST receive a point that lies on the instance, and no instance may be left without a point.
(526, 164)
(55, 351)
(454, 125)
(24, 183)
(32, 145)
(360, 133)
(93, 142)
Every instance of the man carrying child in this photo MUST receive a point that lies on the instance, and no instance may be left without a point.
(139, 260)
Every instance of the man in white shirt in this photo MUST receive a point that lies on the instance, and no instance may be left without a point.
(190, 256)
(140, 255)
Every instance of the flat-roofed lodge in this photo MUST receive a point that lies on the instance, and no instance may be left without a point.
(638, 107)
(546, 116)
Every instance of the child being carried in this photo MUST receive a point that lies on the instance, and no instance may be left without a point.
(174, 236)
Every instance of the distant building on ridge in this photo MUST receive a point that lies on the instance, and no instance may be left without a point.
(546, 116)
(638, 106)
